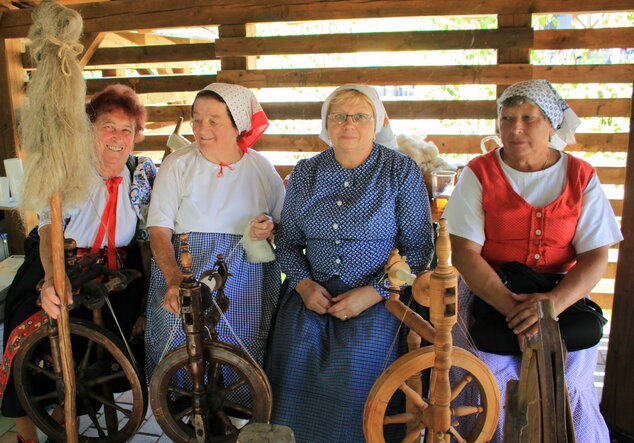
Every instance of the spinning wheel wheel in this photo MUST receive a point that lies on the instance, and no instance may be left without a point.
(101, 364)
(173, 405)
(400, 375)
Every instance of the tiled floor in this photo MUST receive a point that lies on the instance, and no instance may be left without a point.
(150, 431)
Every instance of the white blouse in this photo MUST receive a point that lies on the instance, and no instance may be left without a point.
(188, 195)
(86, 218)
(597, 225)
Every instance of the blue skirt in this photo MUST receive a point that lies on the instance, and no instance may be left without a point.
(322, 368)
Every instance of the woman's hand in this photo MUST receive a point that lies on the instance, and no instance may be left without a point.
(49, 299)
(171, 299)
(523, 317)
(315, 297)
(353, 302)
(261, 227)
(139, 325)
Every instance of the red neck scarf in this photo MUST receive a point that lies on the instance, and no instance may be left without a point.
(109, 222)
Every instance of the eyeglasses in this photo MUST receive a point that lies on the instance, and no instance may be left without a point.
(358, 119)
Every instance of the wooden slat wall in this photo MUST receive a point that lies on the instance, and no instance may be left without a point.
(238, 46)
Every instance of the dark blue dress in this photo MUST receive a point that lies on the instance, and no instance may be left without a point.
(338, 226)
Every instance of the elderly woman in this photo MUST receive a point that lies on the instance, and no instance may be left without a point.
(216, 190)
(118, 119)
(345, 210)
(531, 203)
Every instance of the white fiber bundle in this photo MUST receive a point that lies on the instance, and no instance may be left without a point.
(55, 134)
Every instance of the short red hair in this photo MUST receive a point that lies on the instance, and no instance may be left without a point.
(119, 97)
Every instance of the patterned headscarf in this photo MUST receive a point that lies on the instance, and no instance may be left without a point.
(563, 119)
(382, 129)
(246, 111)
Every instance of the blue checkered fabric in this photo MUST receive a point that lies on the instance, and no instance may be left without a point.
(253, 290)
(338, 227)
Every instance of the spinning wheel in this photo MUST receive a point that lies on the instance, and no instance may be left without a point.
(173, 405)
(432, 414)
(101, 364)
(200, 385)
(403, 372)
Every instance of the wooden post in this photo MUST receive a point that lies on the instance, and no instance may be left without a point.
(617, 403)
(512, 55)
(231, 63)
(12, 97)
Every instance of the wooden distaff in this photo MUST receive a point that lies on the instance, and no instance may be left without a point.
(58, 149)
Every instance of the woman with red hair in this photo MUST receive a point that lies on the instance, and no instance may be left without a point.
(111, 222)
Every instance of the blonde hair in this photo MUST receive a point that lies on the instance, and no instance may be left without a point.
(349, 95)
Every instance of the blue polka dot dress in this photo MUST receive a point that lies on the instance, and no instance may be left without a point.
(338, 226)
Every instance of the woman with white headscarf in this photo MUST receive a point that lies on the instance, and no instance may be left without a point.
(531, 203)
(346, 208)
(221, 193)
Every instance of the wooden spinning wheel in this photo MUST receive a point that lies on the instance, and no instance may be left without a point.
(101, 363)
(200, 385)
(431, 414)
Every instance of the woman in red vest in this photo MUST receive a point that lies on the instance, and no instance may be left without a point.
(529, 202)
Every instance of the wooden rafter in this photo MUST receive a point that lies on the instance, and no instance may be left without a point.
(144, 14)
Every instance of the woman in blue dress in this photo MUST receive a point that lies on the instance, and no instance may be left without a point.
(345, 209)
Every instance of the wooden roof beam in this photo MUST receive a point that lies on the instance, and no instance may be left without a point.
(149, 14)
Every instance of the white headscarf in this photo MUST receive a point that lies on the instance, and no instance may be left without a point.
(563, 119)
(245, 109)
(382, 129)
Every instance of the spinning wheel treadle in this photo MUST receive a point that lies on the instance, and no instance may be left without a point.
(101, 361)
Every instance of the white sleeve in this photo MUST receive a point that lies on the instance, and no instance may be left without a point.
(165, 196)
(278, 191)
(464, 213)
(597, 224)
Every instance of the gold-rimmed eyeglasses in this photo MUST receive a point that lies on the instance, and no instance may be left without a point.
(357, 119)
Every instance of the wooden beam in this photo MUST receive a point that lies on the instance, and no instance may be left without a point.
(376, 42)
(150, 14)
(129, 55)
(144, 85)
(447, 144)
(12, 98)
(584, 38)
(366, 42)
(427, 75)
(91, 42)
(617, 401)
(402, 75)
(410, 109)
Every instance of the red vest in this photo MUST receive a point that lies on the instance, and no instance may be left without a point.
(516, 231)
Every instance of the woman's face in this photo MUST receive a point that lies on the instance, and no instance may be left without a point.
(524, 129)
(212, 125)
(350, 138)
(114, 131)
